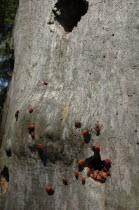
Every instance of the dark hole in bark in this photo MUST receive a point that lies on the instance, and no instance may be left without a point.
(94, 163)
(98, 132)
(69, 12)
(11, 59)
(83, 182)
(5, 173)
(51, 192)
(43, 156)
(8, 152)
(87, 138)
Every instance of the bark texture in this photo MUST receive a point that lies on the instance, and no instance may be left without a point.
(92, 72)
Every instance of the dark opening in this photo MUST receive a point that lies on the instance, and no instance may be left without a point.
(97, 169)
(69, 12)
(11, 59)
(51, 192)
(5, 173)
(87, 138)
(94, 162)
(8, 152)
(43, 156)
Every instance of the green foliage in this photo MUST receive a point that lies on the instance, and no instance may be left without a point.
(7, 14)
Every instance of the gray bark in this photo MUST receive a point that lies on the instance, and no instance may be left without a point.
(93, 77)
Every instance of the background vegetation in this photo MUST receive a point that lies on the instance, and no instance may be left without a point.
(7, 15)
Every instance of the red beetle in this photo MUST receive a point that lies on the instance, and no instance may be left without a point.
(76, 173)
(45, 83)
(85, 132)
(31, 127)
(107, 160)
(97, 148)
(64, 180)
(108, 173)
(30, 110)
(92, 175)
(89, 171)
(32, 134)
(77, 124)
(97, 128)
(16, 114)
(103, 174)
(39, 146)
(83, 178)
(49, 189)
(80, 163)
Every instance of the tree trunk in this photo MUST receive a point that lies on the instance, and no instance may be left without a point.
(88, 54)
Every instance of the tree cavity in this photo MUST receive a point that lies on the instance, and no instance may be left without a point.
(69, 12)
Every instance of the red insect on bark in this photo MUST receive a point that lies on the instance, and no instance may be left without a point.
(64, 180)
(77, 124)
(49, 190)
(108, 173)
(16, 114)
(96, 148)
(76, 174)
(32, 135)
(80, 163)
(45, 83)
(85, 132)
(107, 160)
(30, 110)
(39, 146)
(31, 128)
(89, 171)
(83, 180)
(97, 130)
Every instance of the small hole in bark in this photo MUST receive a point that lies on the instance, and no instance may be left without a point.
(42, 155)
(104, 56)
(112, 34)
(5, 173)
(11, 59)
(137, 143)
(8, 152)
(135, 130)
(69, 12)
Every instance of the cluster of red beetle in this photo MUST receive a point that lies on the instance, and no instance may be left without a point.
(98, 175)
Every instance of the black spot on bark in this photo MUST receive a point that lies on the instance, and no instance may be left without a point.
(8, 152)
(87, 138)
(51, 192)
(42, 155)
(5, 173)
